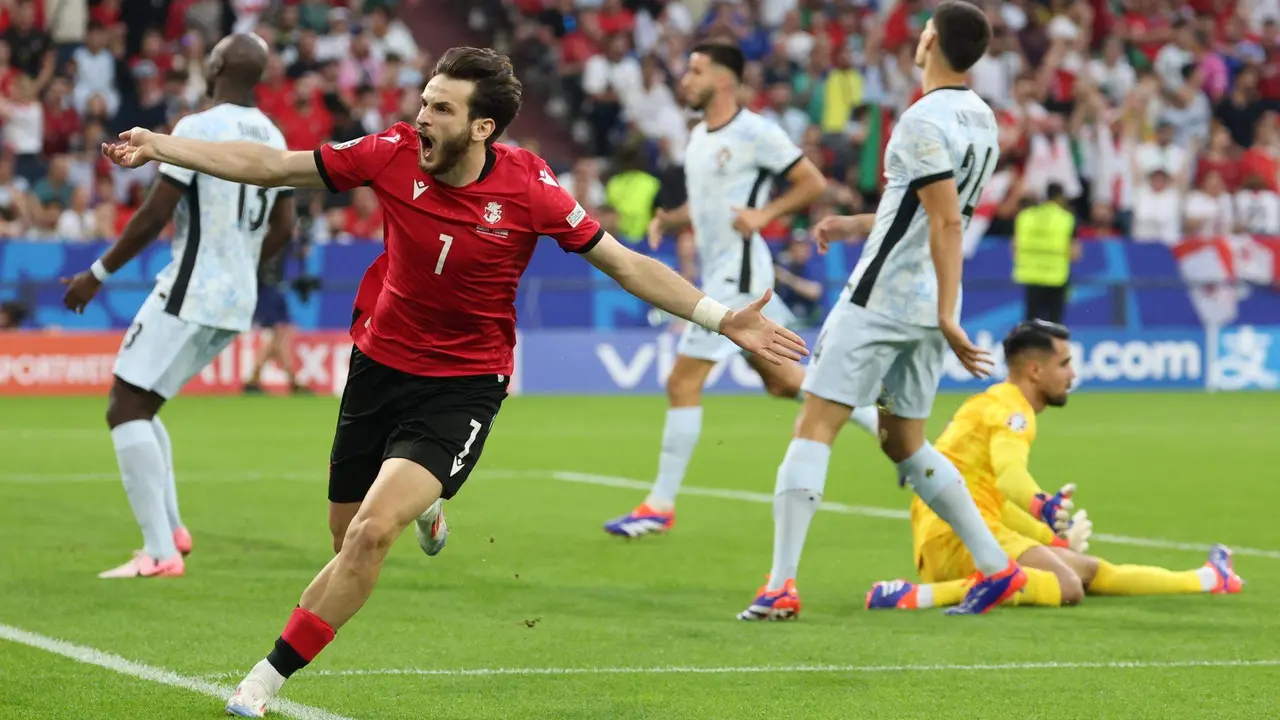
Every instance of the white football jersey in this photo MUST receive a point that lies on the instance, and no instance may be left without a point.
(218, 227)
(948, 133)
(1258, 211)
(732, 167)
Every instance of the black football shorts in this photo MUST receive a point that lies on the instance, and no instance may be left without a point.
(440, 423)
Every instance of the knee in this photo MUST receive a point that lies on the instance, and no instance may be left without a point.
(1072, 588)
(683, 391)
(367, 537)
(121, 409)
(780, 388)
(125, 404)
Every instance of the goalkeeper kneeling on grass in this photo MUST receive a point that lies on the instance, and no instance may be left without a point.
(989, 440)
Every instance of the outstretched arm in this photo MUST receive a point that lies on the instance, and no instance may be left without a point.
(660, 286)
(250, 163)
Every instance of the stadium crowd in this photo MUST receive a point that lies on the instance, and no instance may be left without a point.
(1158, 118)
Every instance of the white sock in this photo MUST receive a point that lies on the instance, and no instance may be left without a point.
(867, 418)
(797, 495)
(942, 488)
(679, 438)
(143, 470)
(265, 673)
(170, 485)
(1208, 578)
(924, 596)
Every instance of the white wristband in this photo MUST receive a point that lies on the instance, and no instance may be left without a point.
(99, 270)
(709, 314)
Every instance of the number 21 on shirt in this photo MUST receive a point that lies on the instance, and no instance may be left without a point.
(973, 179)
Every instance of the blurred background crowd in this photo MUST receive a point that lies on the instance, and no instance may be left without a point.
(1157, 118)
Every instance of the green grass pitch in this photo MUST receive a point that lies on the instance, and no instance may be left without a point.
(530, 581)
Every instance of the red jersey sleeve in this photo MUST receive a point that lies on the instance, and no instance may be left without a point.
(556, 214)
(357, 162)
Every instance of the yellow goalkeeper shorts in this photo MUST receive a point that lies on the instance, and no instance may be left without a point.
(940, 556)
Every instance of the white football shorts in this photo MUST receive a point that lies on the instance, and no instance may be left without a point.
(862, 357)
(161, 352)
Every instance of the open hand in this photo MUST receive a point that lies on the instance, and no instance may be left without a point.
(974, 359)
(657, 227)
(1078, 534)
(80, 290)
(135, 149)
(750, 330)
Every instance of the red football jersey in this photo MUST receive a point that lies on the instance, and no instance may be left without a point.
(442, 300)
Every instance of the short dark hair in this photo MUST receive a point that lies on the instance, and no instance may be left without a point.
(1055, 191)
(1033, 336)
(726, 56)
(963, 33)
(497, 90)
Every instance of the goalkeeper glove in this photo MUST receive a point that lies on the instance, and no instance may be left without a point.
(1078, 534)
(1054, 511)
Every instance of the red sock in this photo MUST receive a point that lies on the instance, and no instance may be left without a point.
(304, 636)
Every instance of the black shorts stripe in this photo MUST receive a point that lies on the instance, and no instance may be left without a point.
(744, 274)
(901, 221)
(178, 293)
(324, 174)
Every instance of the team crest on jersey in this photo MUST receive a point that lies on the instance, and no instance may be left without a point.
(722, 159)
(492, 213)
(1017, 422)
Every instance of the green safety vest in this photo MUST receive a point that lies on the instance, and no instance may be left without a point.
(1042, 245)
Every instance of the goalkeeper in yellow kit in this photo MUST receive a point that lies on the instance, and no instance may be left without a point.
(989, 440)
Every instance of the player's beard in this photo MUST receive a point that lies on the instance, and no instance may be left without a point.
(700, 101)
(1056, 400)
(445, 153)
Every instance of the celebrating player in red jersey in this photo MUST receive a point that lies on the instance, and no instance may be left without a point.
(434, 322)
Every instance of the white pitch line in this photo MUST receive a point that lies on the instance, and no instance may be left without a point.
(869, 511)
(603, 481)
(756, 669)
(92, 656)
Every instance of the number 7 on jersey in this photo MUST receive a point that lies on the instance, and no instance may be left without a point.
(444, 253)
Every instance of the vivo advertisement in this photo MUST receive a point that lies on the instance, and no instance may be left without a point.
(1202, 315)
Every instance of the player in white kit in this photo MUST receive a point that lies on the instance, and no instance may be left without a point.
(730, 163)
(202, 299)
(884, 341)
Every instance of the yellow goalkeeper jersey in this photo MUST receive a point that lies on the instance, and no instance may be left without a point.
(989, 437)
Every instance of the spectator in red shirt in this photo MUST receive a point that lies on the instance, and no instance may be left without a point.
(61, 121)
(275, 92)
(362, 220)
(106, 13)
(1147, 26)
(306, 123)
(1220, 157)
(903, 24)
(1262, 160)
(614, 18)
